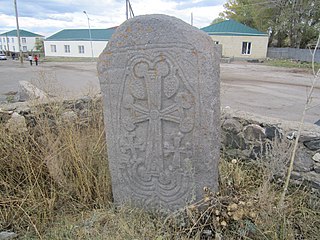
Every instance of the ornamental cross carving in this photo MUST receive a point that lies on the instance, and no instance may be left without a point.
(150, 84)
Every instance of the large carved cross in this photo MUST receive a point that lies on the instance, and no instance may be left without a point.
(153, 73)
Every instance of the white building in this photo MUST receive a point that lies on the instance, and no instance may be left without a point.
(238, 40)
(77, 42)
(29, 41)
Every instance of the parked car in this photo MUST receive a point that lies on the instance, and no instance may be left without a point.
(3, 56)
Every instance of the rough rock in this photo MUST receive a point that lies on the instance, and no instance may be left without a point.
(254, 132)
(7, 235)
(17, 123)
(303, 161)
(313, 144)
(232, 125)
(316, 157)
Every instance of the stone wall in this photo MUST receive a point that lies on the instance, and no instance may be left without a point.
(248, 136)
(244, 136)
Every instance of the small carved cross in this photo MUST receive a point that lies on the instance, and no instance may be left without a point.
(176, 149)
(132, 145)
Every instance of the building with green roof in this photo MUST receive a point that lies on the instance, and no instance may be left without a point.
(30, 41)
(77, 42)
(238, 40)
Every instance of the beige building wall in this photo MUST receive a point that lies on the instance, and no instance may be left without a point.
(232, 46)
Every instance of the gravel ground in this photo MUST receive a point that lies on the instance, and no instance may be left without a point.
(268, 91)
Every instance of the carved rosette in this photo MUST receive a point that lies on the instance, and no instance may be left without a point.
(156, 121)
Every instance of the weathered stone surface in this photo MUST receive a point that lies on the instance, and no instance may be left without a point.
(317, 168)
(232, 125)
(69, 117)
(313, 144)
(17, 123)
(273, 132)
(303, 161)
(316, 157)
(313, 179)
(254, 132)
(28, 91)
(160, 82)
(7, 235)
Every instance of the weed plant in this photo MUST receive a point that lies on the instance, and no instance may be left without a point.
(55, 184)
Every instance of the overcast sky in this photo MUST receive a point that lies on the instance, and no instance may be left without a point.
(50, 16)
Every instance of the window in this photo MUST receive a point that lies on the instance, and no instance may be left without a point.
(4, 47)
(24, 48)
(53, 48)
(12, 40)
(24, 40)
(8, 40)
(66, 48)
(246, 48)
(81, 49)
(4, 39)
(14, 48)
(216, 42)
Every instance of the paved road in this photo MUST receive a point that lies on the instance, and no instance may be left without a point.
(269, 91)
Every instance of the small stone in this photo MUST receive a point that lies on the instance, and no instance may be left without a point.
(223, 223)
(273, 132)
(252, 215)
(317, 122)
(316, 157)
(232, 125)
(238, 215)
(23, 110)
(69, 117)
(234, 161)
(86, 99)
(17, 123)
(79, 104)
(313, 179)
(254, 132)
(207, 232)
(7, 235)
(296, 176)
(317, 167)
(303, 162)
(313, 144)
(232, 207)
(291, 135)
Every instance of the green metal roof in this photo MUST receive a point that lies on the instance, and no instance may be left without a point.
(23, 33)
(232, 28)
(82, 35)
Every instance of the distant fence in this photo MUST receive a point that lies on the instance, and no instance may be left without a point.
(293, 53)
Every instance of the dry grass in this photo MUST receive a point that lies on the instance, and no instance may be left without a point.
(52, 169)
(54, 184)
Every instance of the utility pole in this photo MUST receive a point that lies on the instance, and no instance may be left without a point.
(191, 18)
(89, 34)
(129, 11)
(18, 31)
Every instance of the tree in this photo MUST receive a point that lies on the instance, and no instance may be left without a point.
(39, 45)
(291, 23)
(217, 20)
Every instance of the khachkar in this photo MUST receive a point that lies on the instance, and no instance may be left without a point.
(160, 82)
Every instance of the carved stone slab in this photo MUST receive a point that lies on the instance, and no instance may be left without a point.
(160, 82)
